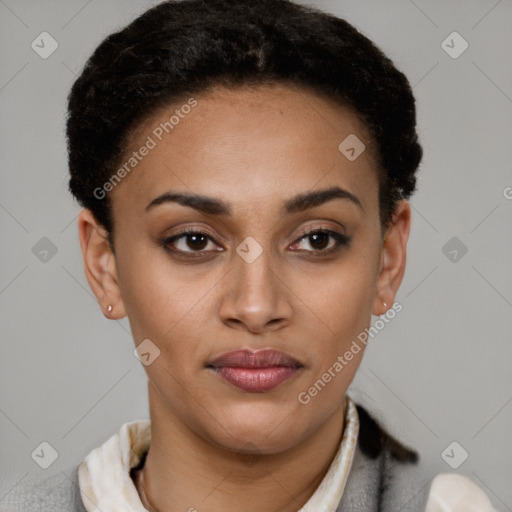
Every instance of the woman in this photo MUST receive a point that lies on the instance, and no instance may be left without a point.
(245, 206)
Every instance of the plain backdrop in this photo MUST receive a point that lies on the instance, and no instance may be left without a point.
(439, 373)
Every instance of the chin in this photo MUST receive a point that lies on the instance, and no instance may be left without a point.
(263, 428)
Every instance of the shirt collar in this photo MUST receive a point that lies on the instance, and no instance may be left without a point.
(106, 485)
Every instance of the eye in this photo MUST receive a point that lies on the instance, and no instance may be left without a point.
(195, 243)
(322, 241)
(190, 241)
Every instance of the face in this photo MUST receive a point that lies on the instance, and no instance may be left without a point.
(246, 227)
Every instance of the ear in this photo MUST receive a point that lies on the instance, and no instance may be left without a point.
(100, 265)
(393, 258)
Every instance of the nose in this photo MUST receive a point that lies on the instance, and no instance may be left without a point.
(257, 298)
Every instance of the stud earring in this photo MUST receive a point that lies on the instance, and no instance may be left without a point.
(109, 308)
(385, 305)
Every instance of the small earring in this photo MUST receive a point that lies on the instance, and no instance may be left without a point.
(109, 309)
(385, 305)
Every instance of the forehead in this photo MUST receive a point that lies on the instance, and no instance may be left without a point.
(249, 144)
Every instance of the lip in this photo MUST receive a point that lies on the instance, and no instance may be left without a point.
(255, 371)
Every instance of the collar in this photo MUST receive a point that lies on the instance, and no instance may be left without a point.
(106, 485)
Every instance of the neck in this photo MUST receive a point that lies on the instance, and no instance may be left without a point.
(185, 472)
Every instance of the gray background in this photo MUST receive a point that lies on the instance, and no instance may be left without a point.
(438, 373)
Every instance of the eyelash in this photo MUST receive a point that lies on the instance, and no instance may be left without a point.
(341, 241)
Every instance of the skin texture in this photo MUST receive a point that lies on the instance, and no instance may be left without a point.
(215, 447)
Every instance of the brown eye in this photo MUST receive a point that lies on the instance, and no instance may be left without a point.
(196, 241)
(319, 240)
(189, 242)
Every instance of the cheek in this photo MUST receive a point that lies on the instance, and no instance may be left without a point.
(160, 298)
(342, 310)
(163, 307)
(342, 306)
(341, 300)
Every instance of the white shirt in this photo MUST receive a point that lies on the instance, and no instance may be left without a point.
(106, 485)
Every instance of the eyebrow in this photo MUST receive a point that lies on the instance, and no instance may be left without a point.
(214, 206)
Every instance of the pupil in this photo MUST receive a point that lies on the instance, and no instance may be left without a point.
(324, 237)
(198, 241)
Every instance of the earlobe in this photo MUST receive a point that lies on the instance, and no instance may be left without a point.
(393, 258)
(100, 265)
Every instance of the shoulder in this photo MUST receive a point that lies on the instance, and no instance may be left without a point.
(457, 493)
(59, 492)
(387, 476)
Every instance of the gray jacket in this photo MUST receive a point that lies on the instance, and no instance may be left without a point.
(384, 477)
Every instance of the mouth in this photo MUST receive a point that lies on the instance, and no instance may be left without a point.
(255, 372)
